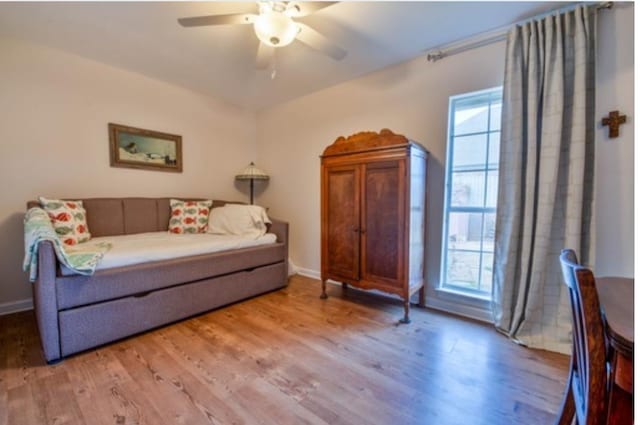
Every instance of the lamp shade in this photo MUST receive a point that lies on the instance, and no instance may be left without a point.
(251, 172)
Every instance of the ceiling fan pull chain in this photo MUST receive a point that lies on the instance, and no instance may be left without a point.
(274, 72)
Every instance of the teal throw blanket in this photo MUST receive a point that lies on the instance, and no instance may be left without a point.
(82, 258)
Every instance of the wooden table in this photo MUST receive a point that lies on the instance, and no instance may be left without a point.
(616, 301)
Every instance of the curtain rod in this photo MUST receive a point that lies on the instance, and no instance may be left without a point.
(496, 35)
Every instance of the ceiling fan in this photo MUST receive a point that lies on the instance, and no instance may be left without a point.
(274, 26)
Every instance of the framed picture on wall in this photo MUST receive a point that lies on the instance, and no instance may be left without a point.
(131, 147)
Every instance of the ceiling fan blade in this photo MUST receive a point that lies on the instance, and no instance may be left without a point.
(297, 9)
(232, 19)
(317, 41)
(264, 56)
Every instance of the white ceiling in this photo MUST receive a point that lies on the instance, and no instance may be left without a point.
(145, 37)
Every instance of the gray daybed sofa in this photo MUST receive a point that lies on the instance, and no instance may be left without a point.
(75, 312)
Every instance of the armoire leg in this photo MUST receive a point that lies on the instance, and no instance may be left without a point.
(422, 297)
(344, 285)
(323, 296)
(406, 319)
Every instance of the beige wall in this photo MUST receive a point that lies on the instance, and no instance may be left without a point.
(614, 157)
(54, 110)
(412, 99)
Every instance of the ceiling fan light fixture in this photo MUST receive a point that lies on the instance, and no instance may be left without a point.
(275, 29)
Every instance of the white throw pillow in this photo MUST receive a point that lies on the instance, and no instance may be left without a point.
(243, 220)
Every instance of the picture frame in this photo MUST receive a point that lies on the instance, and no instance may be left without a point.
(131, 147)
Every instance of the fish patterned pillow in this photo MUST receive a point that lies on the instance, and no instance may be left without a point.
(188, 217)
(69, 219)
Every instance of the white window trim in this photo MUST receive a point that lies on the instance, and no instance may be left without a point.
(447, 298)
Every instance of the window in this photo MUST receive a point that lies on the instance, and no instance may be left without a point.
(471, 192)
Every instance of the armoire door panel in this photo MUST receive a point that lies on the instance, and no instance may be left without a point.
(343, 222)
(383, 221)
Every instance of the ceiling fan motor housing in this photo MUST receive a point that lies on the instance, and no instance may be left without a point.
(275, 28)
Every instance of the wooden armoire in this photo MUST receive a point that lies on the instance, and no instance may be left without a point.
(373, 200)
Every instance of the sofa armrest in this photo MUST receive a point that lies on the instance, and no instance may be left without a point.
(281, 230)
(45, 301)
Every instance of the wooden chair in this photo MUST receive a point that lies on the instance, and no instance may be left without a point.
(585, 397)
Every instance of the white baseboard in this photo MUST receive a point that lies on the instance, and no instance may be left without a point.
(292, 268)
(313, 274)
(431, 302)
(16, 306)
(459, 309)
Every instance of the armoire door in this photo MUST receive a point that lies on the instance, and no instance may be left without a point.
(383, 221)
(341, 222)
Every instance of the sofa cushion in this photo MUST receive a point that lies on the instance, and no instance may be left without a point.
(105, 216)
(140, 215)
(69, 219)
(77, 290)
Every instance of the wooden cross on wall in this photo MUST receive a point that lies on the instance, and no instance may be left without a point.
(613, 121)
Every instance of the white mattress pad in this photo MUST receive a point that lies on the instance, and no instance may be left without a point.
(141, 248)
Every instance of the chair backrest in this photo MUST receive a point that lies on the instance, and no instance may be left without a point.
(589, 362)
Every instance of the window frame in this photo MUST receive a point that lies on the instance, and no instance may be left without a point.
(448, 209)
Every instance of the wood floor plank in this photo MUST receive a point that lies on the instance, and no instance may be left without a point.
(286, 357)
(278, 372)
(55, 395)
(261, 365)
(4, 405)
(364, 373)
(468, 350)
(106, 394)
(23, 407)
(4, 390)
(185, 397)
(274, 407)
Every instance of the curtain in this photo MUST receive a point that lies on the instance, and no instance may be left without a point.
(546, 183)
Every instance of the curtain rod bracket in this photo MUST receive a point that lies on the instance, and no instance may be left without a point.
(435, 56)
(605, 5)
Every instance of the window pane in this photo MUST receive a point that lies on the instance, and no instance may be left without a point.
(486, 272)
(492, 189)
(496, 116)
(469, 152)
(494, 150)
(489, 232)
(470, 118)
(467, 189)
(465, 230)
(462, 269)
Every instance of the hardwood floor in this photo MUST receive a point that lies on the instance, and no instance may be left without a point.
(286, 358)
